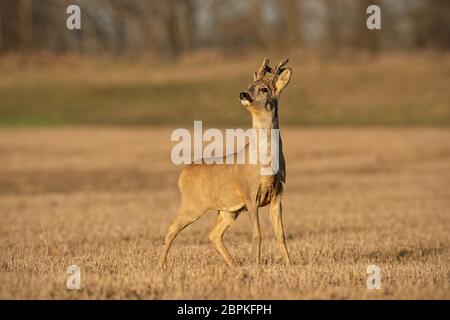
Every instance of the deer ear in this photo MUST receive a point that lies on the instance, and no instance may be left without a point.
(282, 80)
(255, 76)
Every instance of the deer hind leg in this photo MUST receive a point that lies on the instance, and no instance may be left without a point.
(224, 221)
(275, 210)
(184, 218)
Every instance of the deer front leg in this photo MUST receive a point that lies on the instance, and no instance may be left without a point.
(256, 232)
(275, 210)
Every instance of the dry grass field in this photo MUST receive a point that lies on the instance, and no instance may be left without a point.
(103, 199)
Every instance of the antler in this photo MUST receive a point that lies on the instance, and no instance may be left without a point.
(263, 69)
(279, 67)
(273, 73)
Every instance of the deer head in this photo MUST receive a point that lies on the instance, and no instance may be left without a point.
(263, 94)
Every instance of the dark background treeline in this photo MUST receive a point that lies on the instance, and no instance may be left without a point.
(172, 27)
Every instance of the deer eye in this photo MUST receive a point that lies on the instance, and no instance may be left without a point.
(264, 90)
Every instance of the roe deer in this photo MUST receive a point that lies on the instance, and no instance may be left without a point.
(233, 188)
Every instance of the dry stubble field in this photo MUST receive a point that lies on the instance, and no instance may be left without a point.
(103, 199)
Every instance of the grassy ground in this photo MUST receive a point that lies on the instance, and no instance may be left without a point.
(103, 199)
(384, 90)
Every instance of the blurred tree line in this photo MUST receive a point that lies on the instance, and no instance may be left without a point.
(173, 27)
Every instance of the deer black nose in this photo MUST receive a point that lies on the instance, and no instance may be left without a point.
(244, 96)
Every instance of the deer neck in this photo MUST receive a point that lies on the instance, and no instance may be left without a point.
(267, 128)
(265, 121)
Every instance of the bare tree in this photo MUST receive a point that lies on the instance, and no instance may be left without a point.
(333, 25)
(174, 27)
(1, 25)
(430, 24)
(291, 22)
(362, 37)
(25, 23)
(186, 24)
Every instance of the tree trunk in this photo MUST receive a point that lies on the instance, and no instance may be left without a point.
(172, 29)
(25, 24)
(291, 22)
(334, 36)
(1, 25)
(186, 24)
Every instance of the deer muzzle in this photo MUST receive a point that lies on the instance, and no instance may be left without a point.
(245, 97)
